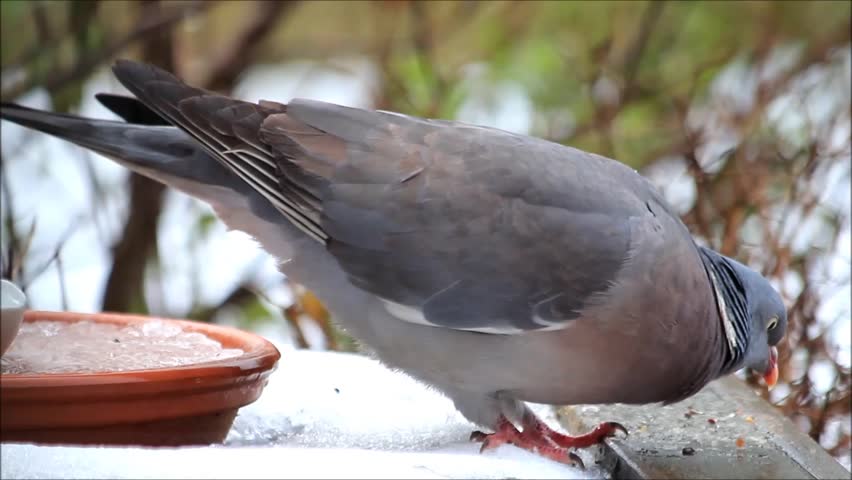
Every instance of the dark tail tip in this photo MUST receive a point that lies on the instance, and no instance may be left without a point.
(7, 108)
(130, 109)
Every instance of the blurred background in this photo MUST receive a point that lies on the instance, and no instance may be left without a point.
(738, 111)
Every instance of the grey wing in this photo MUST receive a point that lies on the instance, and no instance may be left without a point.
(467, 227)
(449, 224)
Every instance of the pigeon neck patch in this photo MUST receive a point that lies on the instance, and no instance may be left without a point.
(728, 327)
(731, 305)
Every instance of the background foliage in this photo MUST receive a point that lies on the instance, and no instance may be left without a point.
(738, 111)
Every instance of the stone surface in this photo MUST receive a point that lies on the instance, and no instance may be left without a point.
(725, 431)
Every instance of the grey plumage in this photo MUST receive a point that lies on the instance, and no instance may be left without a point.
(496, 267)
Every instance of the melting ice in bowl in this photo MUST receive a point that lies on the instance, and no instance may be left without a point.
(86, 346)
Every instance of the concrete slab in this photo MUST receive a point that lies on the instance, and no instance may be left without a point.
(725, 431)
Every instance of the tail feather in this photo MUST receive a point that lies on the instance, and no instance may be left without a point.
(163, 153)
(228, 129)
(131, 109)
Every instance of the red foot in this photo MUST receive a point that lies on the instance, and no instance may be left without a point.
(537, 437)
(598, 435)
(528, 440)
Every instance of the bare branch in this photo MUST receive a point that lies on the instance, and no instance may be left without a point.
(240, 53)
(634, 57)
(86, 64)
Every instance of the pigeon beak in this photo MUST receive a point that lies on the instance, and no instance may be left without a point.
(771, 374)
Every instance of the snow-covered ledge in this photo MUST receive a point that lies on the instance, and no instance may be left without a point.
(333, 415)
(323, 415)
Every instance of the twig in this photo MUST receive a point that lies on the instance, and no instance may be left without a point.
(634, 57)
(292, 314)
(41, 24)
(60, 270)
(85, 65)
(239, 296)
(424, 45)
(239, 55)
(72, 228)
(46, 40)
(96, 199)
(313, 307)
(12, 259)
(7, 269)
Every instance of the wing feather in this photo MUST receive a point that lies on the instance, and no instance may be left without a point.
(209, 118)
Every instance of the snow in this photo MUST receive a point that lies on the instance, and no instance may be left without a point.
(370, 422)
(272, 462)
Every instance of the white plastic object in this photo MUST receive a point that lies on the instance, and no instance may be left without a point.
(12, 302)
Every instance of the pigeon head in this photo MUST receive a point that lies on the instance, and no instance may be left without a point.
(753, 316)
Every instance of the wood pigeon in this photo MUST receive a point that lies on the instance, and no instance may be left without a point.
(496, 267)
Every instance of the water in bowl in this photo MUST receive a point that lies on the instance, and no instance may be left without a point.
(88, 347)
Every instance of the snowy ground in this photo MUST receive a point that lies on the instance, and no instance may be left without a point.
(323, 415)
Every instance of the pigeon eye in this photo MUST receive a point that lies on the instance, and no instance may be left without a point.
(773, 322)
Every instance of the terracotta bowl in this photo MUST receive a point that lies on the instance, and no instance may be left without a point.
(188, 405)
